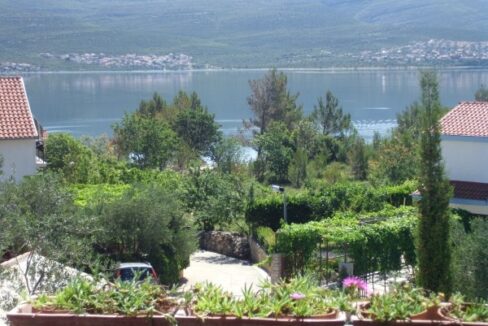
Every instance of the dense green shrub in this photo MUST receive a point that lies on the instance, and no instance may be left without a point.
(323, 200)
(266, 237)
(214, 199)
(470, 258)
(147, 223)
(374, 241)
(92, 194)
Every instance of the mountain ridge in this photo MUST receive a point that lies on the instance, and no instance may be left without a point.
(233, 33)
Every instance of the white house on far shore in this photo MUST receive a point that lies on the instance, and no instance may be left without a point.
(19, 133)
(464, 145)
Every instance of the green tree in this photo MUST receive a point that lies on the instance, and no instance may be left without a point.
(183, 101)
(147, 142)
(434, 255)
(227, 154)
(396, 159)
(358, 159)
(154, 107)
(101, 146)
(147, 223)
(271, 101)
(329, 116)
(38, 215)
(481, 94)
(214, 199)
(69, 156)
(470, 258)
(305, 137)
(410, 121)
(276, 153)
(197, 127)
(297, 170)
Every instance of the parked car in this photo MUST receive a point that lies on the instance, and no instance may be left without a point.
(129, 271)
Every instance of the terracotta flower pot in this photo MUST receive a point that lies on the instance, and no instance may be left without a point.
(430, 316)
(332, 319)
(23, 316)
(445, 313)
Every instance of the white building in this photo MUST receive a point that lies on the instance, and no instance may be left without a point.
(464, 145)
(19, 135)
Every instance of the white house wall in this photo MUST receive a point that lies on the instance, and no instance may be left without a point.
(19, 158)
(466, 158)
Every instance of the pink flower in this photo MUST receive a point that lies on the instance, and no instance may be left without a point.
(297, 296)
(356, 282)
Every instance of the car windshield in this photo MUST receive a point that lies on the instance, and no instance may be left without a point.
(129, 274)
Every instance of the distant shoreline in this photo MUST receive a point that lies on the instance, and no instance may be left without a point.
(329, 69)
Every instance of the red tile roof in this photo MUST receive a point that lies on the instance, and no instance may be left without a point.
(466, 119)
(16, 119)
(470, 190)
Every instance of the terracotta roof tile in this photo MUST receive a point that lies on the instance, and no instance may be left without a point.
(466, 119)
(16, 119)
(470, 190)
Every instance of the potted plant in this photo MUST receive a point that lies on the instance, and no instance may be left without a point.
(295, 302)
(403, 304)
(83, 302)
(468, 313)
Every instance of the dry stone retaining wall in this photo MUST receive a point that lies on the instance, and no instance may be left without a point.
(225, 243)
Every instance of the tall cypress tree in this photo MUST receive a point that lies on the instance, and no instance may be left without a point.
(434, 254)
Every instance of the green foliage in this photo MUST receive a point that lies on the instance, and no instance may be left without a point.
(290, 35)
(158, 134)
(481, 94)
(297, 170)
(433, 233)
(38, 215)
(298, 244)
(226, 154)
(306, 138)
(358, 159)
(395, 160)
(470, 258)
(330, 118)
(322, 200)
(122, 298)
(299, 297)
(375, 241)
(197, 128)
(400, 304)
(274, 154)
(91, 195)
(270, 101)
(215, 200)
(147, 223)
(69, 156)
(266, 237)
(145, 141)
(467, 311)
(213, 300)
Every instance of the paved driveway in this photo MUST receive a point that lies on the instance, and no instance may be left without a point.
(230, 273)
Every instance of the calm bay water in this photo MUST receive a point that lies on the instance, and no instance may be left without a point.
(89, 103)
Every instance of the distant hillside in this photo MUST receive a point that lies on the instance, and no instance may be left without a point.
(233, 33)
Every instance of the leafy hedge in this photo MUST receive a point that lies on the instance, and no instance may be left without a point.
(91, 194)
(325, 200)
(266, 237)
(375, 241)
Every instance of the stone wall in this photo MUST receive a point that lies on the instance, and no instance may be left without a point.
(225, 243)
(258, 254)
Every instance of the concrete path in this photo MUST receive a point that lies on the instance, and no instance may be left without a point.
(230, 273)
